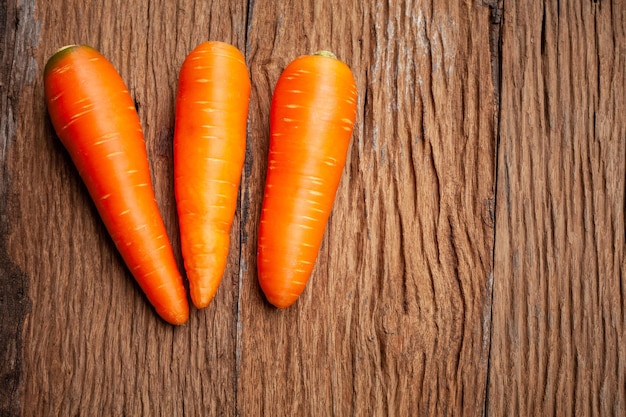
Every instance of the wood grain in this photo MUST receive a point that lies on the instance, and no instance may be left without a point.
(559, 308)
(14, 299)
(395, 319)
(473, 264)
(92, 345)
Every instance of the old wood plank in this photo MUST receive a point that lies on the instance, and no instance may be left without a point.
(395, 319)
(16, 71)
(559, 309)
(91, 344)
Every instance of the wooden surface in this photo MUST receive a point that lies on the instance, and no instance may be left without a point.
(558, 341)
(473, 264)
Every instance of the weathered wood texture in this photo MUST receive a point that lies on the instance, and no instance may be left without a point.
(407, 312)
(91, 344)
(395, 319)
(559, 306)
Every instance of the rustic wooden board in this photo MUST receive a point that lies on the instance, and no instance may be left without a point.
(407, 312)
(559, 307)
(395, 319)
(90, 343)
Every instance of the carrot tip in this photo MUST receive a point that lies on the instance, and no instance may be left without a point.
(327, 54)
(61, 49)
(60, 53)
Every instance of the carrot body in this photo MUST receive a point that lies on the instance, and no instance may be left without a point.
(312, 115)
(209, 151)
(96, 120)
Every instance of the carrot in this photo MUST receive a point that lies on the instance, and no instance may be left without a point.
(95, 118)
(209, 151)
(312, 115)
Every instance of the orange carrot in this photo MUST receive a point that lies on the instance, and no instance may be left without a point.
(311, 120)
(95, 118)
(209, 151)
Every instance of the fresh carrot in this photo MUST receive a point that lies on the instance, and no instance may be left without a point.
(95, 118)
(312, 115)
(209, 150)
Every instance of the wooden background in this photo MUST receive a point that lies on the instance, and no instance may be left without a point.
(474, 263)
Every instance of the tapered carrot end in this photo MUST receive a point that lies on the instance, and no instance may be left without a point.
(204, 283)
(176, 317)
(201, 299)
(167, 294)
(178, 320)
(281, 302)
(282, 293)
